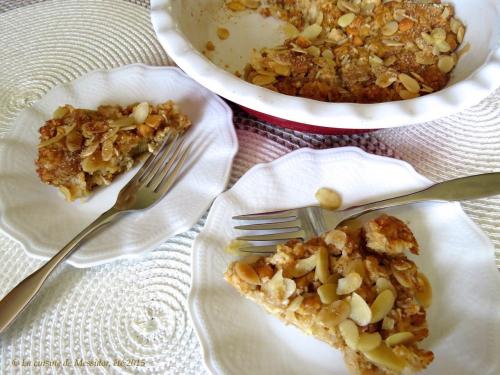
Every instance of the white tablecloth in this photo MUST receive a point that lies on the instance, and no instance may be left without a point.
(130, 316)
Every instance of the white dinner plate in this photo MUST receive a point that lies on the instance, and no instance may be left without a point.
(38, 217)
(239, 337)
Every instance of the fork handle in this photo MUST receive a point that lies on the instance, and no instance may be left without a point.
(460, 189)
(18, 298)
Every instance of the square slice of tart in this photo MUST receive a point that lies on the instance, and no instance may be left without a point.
(353, 288)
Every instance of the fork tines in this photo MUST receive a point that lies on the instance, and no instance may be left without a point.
(282, 225)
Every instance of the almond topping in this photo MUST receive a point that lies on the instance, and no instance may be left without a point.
(399, 338)
(327, 293)
(369, 341)
(385, 357)
(349, 284)
(349, 331)
(360, 311)
(247, 273)
(382, 305)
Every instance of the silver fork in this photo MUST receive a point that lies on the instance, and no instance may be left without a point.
(151, 182)
(307, 222)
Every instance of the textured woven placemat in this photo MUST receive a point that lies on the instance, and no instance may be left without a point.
(129, 313)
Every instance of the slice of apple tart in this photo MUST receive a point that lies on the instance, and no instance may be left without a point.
(352, 288)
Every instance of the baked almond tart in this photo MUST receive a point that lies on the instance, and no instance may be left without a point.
(82, 149)
(353, 288)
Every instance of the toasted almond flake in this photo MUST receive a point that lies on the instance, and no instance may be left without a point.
(322, 265)
(460, 34)
(424, 58)
(332, 315)
(409, 83)
(399, 338)
(311, 32)
(384, 356)
(390, 60)
(350, 333)
(140, 112)
(290, 30)
(424, 293)
(327, 293)
(417, 76)
(303, 266)
(446, 63)
(455, 25)
(222, 33)
(438, 34)
(349, 284)
(369, 341)
(360, 311)
(383, 284)
(382, 305)
(263, 80)
(385, 80)
(327, 54)
(328, 198)
(446, 13)
(388, 323)
(390, 28)
(443, 46)
(314, 51)
(295, 304)
(427, 38)
(247, 273)
(406, 95)
(346, 19)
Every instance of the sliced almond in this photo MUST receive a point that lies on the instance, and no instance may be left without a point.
(388, 323)
(385, 79)
(446, 63)
(328, 198)
(247, 273)
(295, 304)
(382, 305)
(460, 34)
(251, 4)
(332, 315)
(313, 51)
(360, 311)
(350, 333)
(399, 338)
(327, 293)
(424, 293)
(322, 265)
(405, 94)
(390, 28)
(349, 284)
(369, 341)
(346, 19)
(438, 34)
(263, 80)
(140, 112)
(384, 356)
(311, 32)
(410, 83)
(303, 266)
(383, 284)
(455, 25)
(443, 46)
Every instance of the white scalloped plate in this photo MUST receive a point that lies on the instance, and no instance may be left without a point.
(238, 337)
(183, 28)
(37, 216)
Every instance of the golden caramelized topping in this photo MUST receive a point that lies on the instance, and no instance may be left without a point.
(363, 51)
(81, 149)
(352, 288)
